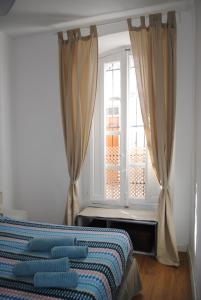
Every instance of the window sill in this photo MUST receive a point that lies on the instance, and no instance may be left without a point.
(137, 205)
(141, 225)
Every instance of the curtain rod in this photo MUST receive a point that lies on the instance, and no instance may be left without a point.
(114, 18)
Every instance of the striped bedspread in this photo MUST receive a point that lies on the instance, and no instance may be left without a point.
(100, 273)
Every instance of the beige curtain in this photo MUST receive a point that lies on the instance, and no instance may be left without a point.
(154, 52)
(78, 80)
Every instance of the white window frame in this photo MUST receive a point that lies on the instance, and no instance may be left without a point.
(115, 57)
(150, 201)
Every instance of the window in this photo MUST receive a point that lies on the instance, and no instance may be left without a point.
(121, 167)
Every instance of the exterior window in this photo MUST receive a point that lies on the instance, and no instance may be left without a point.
(136, 150)
(120, 157)
(112, 116)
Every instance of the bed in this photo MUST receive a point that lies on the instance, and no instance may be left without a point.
(108, 273)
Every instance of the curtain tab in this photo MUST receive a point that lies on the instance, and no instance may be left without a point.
(129, 23)
(171, 19)
(77, 33)
(70, 35)
(142, 20)
(60, 36)
(73, 34)
(93, 31)
(155, 19)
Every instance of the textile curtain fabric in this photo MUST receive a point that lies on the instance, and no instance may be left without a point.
(154, 52)
(78, 80)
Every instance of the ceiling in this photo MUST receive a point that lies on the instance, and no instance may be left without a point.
(35, 15)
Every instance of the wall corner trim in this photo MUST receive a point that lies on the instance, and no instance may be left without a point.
(192, 275)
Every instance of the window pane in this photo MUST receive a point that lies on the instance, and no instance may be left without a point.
(112, 184)
(134, 113)
(112, 113)
(112, 80)
(136, 183)
(136, 137)
(137, 155)
(130, 61)
(112, 150)
(122, 169)
(136, 145)
(136, 140)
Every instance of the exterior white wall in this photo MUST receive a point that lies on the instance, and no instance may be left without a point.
(6, 146)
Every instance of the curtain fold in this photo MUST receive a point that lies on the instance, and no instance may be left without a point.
(78, 62)
(154, 52)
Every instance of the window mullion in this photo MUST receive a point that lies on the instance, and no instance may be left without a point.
(102, 133)
(124, 198)
(112, 131)
(126, 131)
(121, 174)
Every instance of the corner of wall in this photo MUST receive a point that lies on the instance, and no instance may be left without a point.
(5, 122)
(192, 274)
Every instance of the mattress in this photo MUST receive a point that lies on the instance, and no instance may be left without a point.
(100, 274)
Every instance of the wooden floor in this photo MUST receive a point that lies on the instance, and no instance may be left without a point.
(162, 282)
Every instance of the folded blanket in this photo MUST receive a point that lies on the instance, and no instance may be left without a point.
(46, 244)
(28, 268)
(56, 279)
(69, 251)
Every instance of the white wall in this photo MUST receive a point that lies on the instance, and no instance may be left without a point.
(6, 146)
(183, 163)
(195, 230)
(40, 171)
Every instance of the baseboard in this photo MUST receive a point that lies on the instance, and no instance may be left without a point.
(192, 276)
(182, 248)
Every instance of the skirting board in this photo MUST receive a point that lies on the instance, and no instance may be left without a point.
(192, 276)
(182, 248)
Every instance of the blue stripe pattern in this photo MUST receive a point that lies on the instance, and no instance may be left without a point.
(100, 273)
